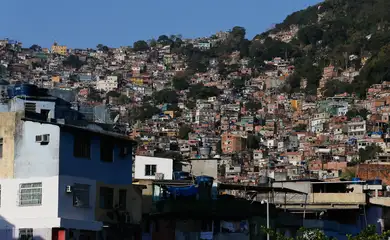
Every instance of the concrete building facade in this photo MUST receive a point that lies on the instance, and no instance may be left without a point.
(55, 179)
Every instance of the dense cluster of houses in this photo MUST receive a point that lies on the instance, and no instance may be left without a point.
(255, 131)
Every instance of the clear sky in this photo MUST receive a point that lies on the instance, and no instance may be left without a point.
(86, 23)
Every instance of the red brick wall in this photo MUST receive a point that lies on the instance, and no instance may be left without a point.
(372, 171)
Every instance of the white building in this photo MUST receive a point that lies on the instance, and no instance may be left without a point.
(153, 167)
(106, 85)
(52, 178)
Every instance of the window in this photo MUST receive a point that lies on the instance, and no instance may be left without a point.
(150, 170)
(30, 107)
(42, 139)
(45, 113)
(25, 234)
(106, 197)
(1, 147)
(82, 146)
(122, 198)
(81, 195)
(106, 150)
(30, 194)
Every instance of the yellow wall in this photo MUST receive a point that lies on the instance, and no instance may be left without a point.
(8, 123)
(59, 49)
(133, 202)
(170, 113)
(147, 194)
(55, 79)
(295, 105)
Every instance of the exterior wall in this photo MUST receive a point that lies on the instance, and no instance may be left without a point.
(373, 171)
(117, 172)
(15, 216)
(164, 165)
(17, 104)
(133, 202)
(205, 167)
(33, 159)
(76, 216)
(8, 123)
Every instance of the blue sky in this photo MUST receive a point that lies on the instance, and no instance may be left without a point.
(86, 23)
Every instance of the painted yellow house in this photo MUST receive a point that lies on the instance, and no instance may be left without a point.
(62, 50)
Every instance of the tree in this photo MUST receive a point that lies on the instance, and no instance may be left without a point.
(180, 81)
(253, 142)
(73, 61)
(334, 87)
(102, 47)
(369, 152)
(198, 91)
(165, 96)
(144, 112)
(36, 48)
(184, 130)
(253, 106)
(164, 40)
(352, 113)
(152, 43)
(140, 46)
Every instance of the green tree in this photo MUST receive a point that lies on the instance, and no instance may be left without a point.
(180, 81)
(352, 113)
(199, 91)
(184, 130)
(140, 46)
(253, 142)
(334, 87)
(36, 48)
(369, 152)
(165, 96)
(73, 61)
(253, 106)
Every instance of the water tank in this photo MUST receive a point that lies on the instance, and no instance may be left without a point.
(22, 90)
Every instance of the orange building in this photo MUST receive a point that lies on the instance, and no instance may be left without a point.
(232, 143)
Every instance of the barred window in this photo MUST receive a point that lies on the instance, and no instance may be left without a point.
(26, 234)
(30, 194)
(81, 195)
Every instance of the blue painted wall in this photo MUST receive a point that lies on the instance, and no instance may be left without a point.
(117, 172)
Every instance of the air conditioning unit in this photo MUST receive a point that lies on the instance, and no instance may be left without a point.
(159, 176)
(68, 189)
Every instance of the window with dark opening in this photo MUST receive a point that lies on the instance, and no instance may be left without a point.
(106, 198)
(150, 170)
(106, 150)
(82, 146)
(122, 198)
